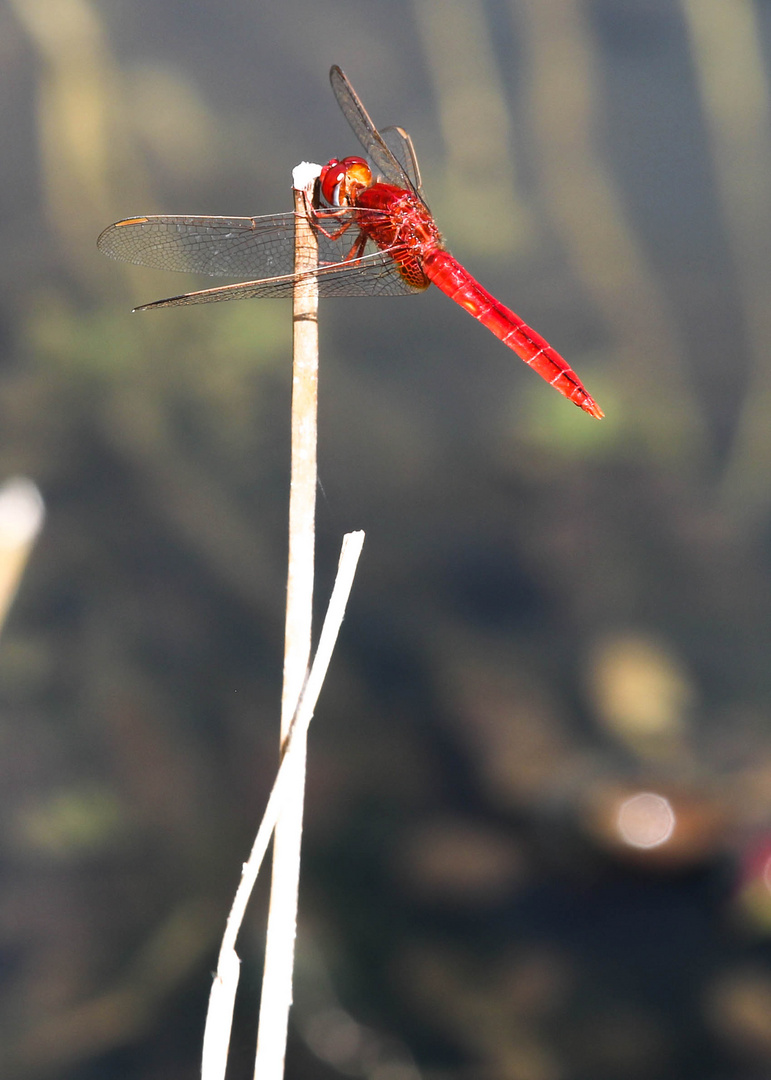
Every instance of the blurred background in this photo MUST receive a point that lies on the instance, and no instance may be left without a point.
(538, 838)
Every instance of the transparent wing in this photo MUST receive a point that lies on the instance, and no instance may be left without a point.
(261, 248)
(218, 246)
(400, 145)
(366, 132)
(375, 274)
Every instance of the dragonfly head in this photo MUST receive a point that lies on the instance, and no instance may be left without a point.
(343, 181)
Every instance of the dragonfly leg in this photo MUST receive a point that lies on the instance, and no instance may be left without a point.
(330, 235)
(357, 249)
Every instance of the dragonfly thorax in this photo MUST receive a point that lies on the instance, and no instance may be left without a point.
(343, 181)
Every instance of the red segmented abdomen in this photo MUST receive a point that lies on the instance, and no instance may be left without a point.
(448, 275)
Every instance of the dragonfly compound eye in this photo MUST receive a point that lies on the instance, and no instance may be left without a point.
(341, 181)
(332, 175)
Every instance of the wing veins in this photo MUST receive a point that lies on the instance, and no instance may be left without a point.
(335, 279)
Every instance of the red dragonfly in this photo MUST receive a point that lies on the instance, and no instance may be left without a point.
(376, 236)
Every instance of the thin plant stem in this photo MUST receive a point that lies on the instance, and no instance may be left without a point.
(276, 995)
(283, 814)
(219, 1018)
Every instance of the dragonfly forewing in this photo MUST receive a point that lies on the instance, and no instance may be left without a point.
(258, 248)
(365, 130)
(217, 246)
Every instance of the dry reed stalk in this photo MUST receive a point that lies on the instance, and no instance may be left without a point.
(283, 814)
(282, 917)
